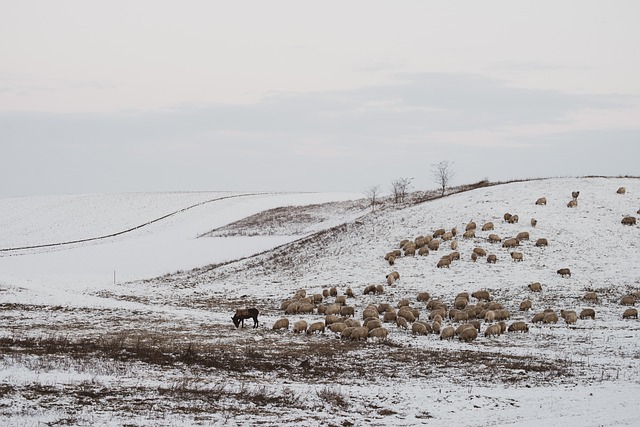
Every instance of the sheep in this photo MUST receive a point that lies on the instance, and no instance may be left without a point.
(341, 299)
(370, 289)
(510, 243)
(337, 327)
(534, 222)
(480, 251)
(487, 226)
(316, 327)
(403, 243)
(454, 231)
(373, 324)
(401, 322)
(301, 293)
(465, 295)
(384, 307)
(507, 216)
(434, 245)
(588, 312)
(454, 245)
(410, 250)
(418, 329)
(436, 318)
(468, 335)
(482, 295)
(460, 303)
(439, 232)
(493, 330)
(525, 305)
(494, 306)
(380, 333)
(436, 327)
(455, 255)
(590, 296)
(628, 300)
(518, 327)
(360, 333)
(370, 312)
(333, 309)
(325, 293)
(379, 289)
(391, 260)
(423, 297)
(349, 293)
(395, 274)
(346, 332)
(474, 256)
(621, 190)
(502, 314)
(404, 303)
(447, 333)
(494, 238)
(434, 304)
(489, 316)
(513, 220)
(535, 287)
(447, 236)
(629, 220)
(541, 201)
(461, 317)
(390, 316)
(419, 242)
(570, 318)
(517, 256)
(444, 262)
(407, 315)
(538, 317)
(347, 311)
(390, 279)
(542, 242)
(437, 312)
(470, 234)
(317, 298)
(332, 318)
(322, 309)
(423, 251)
(564, 272)
(492, 258)
(572, 203)
(462, 327)
(470, 226)
(352, 323)
(300, 326)
(523, 235)
(333, 292)
(575, 194)
(292, 308)
(630, 313)
(281, 324)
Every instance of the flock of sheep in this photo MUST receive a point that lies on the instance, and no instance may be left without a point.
(463, 317)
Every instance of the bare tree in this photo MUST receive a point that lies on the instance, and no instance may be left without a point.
(443, 174)
(400, 187)
(372, 195)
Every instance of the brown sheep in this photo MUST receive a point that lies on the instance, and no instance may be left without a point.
(525, 305)
(353, 323)
(470, 226)
(390, 280)
(518, 327)
(370, 289)
(346, 332)
(333, 309)
(454, 231)
(474, 256)
(444, 262)
(434, 245)
(404, 242)
(332, 318)
(423, 251)
(629, 220)
(460, 303)
(337, 327)
(373, 324)
(380, 333)
(447, 236)
(535, 287)
(383, 307)
(621, 190)
(469, 234)
(513, 220)
(434, 303)
(480, 251)
(570, 318)
(510, 243)
(502, 314)
(341, 299)
(487, 226)
(469, 334)
(628, 300)
(370, 312)
(317, 298)
(630, 313)
(439, 232)
(436, 327)
(347, 311)
(523, 235)
(390, 316)
(588, 312)
(465, 295)
(322, 309)
(538, 317)
(564, 272)
(572, 203)
(410, 251)
(517, 256)
(358, 334)
(349, 293)
(447, 333)
(437, 312)
(454, 255)
(534, 222)
(401, 322)
(542, 242)
(325, 293)
(494, 306)
(423, 297)
(590, 296)
(461, 316)
(418, 328)
(493, 330)
(391, 260)
(379, 290)
(300, 326)
(490, 316)
(404, 303)
(492, 259)
(541, 201)
(575, 194)
(281, 324)
(494, 238)
(482, 295)
(333, 292)
(507, 216)
(454, 245)
(407, 315)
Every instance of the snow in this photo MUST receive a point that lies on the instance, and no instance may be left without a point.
(173, 286)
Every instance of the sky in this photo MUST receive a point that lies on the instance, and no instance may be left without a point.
(125, 96)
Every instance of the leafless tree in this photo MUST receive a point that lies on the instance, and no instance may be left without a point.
(400, 187)
(442, 174)
(372, 194)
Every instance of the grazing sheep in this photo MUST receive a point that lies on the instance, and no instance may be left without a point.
(590, 296)
(302, 293)
(447, 333)
(513, 220)
(325, 293)
(572, 203)
(390, 316)
(332, 318)
(444, 262)
(401, 322)
(480, 251)
(322, 309)
(292, 308)
(510, 243)
(461, 316)
(346, 332)
(384, 307)
(423, 297)
(349, 293)
(465, 295)
(404, 303)
(391, 260)
(517, 256)
(406, 315)
(281, 324)
(454, 231)
(564, 272)
(333, 309)
(468, 335)
(333, 292)
(489, 316)
(575, 194)
(487, 226)
(439, 232)
(372, 324)
(379, 289)
(470, 234)
(423, 251)
(317, 298)
(370, 289)
(523, 235)
(370, 312)
(630, 313)
(470, 226)
(628, 300)
(525, 305)
(316, 327)
(347, 311)
(419, 242)
(436, 318)
(390, 279)
(629, 220)
(353, 323)
(454, 245)
(434, 304)
(437, 312)
(380, 333)
(492, 258)
(434, 245)
(418, 329)
(494, 238)
(454, 255)
(518, 327)
(588, 312)
(300, 326)
(570, 318)
(542, 242)
(538, 317)
(507, 216)
(360, 333)
(482, 295)
(502, 314)
(534, 222)
(541, 201)
(621, 190)
(460, 303)
(535, 287)
(341, 299)
(494, 306)
(447, 236)
(493, 330)
(474, 256)
(462, 327)
(436, 327)
(410, 250)
(337, 327)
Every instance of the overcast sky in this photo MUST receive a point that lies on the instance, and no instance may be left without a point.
(155, 95)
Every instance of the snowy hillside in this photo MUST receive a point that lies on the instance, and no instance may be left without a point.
(162, 350)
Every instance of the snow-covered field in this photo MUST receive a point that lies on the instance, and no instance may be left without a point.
(157, 347)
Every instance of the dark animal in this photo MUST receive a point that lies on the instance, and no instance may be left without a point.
(245, 313)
